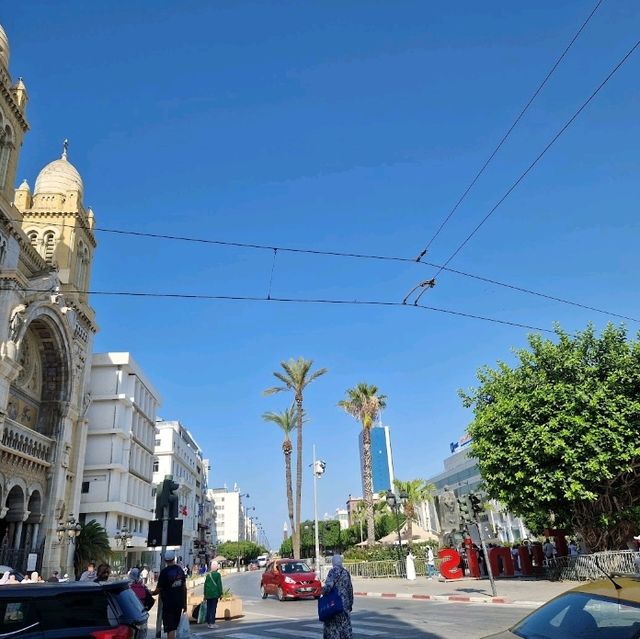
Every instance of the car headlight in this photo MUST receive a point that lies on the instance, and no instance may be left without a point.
(288, 580)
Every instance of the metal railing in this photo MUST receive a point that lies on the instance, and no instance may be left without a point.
(384, 569)
(585, 567)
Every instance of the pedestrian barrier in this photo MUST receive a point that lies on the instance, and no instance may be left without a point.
(592, 566)
(383, 569)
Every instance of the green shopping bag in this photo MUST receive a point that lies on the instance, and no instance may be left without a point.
(202, 612)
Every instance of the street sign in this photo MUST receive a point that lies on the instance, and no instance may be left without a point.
(174, 533)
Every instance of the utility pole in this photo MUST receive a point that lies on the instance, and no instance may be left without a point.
(318, 467)
(470, 508)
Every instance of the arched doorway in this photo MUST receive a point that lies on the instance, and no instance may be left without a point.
(36, 407)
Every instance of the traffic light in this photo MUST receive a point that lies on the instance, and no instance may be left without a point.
(464, 506)
(165, 498)
(476, 503)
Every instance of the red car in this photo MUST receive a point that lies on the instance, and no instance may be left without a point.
(289, 579)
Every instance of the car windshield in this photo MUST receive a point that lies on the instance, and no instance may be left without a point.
(579, 614)
(294, 566)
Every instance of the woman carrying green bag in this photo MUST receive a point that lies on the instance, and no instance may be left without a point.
(212, 592)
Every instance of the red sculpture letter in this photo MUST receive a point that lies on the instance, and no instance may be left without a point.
(450, 563)
(507, 561)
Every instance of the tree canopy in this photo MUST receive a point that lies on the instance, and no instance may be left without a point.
(247, 550)
(91, 545)
(556, 435)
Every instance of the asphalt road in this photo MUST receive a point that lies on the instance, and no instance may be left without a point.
(371, 618)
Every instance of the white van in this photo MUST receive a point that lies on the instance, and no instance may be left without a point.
(262, 560)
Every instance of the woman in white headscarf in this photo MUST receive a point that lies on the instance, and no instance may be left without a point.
(5, 578)
(339, 626)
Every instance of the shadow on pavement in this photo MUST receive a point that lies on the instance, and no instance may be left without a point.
(366, 624)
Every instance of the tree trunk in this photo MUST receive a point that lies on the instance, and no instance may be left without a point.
(287, 465)
(409, 513)
(368, 484)
(296, 538)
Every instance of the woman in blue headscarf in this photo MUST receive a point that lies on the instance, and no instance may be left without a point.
(339, 626)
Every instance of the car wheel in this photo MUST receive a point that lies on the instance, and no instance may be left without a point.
(281, 596)
(263, 592)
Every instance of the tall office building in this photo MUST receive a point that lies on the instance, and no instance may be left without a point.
(381, 459)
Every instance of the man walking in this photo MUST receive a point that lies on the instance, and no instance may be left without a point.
(172, 588)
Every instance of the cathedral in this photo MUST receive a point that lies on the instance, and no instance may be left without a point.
(46, 337)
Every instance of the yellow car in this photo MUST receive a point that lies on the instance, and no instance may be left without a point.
(602, 609)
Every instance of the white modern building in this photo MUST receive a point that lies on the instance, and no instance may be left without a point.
(177, 454)
(118, 470)
(342, 515)
(229, 514)
(462, 475)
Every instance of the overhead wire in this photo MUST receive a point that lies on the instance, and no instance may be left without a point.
(509, 130)
(542, 153)
(344, 254)
(300, 300)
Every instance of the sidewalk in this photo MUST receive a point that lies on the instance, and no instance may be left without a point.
(516, 591)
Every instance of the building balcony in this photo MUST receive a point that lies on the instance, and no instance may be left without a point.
(27, 443)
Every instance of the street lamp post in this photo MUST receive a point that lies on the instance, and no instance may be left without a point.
(318, 467)
(394, 502)
(122, 537)
(67, 533)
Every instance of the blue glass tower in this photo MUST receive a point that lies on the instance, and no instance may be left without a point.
(381, 459)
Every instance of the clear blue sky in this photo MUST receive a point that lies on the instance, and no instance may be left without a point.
(347, 126)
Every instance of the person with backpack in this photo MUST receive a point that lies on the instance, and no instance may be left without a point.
(212, 592)
(140, 590)
(172, 588)
(339, 625)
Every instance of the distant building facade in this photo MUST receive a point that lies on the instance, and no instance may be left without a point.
(229, 518)
(176, 453)
(462, 475)
(117, 482)
(381, 459)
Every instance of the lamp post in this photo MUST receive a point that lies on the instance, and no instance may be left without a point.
(394, 502)
(318, 467)
(67, 533)
(122, 538)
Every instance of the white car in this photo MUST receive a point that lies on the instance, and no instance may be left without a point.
(262, 560)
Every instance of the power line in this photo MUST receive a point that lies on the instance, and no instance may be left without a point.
(351, 255)
(509, 130)
(300, 300)
(539, 157)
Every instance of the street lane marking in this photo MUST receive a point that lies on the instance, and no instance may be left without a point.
(375, 624)
(296, 633)
(244, 635)
(357, 629)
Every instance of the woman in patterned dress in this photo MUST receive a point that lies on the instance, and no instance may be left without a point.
(339, 626)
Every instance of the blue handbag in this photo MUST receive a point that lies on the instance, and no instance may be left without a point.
(330, 605)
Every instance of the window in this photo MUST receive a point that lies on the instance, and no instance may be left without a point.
(156, 465)
(6, 146)
(158, 442)
(33, 237)
(17, 614)
(85, 487)
(49, 245)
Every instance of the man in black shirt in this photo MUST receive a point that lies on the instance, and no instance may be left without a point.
(172, 588)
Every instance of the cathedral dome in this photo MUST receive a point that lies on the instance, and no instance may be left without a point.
(58, 177)
(4, 48)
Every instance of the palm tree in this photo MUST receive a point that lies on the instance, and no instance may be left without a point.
(92, 545)
(417, 491)
(364, 404)
(286, 420)
(296, 376)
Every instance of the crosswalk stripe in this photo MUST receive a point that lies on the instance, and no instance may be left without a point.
(296, 633)
(244, 635)
(360, 627)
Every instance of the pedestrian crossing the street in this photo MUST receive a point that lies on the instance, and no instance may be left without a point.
(304, 629)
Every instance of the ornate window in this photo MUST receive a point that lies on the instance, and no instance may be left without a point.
(6, 146)
(49, 245)
(33, 238)
(82, 265)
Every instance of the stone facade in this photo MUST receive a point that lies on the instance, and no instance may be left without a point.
(46, 339)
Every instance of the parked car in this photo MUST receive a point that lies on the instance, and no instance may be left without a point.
(595, 610)
(76, 609)
(19, 576)
(289, 579)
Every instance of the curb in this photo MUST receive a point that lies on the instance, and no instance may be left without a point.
(449, 598)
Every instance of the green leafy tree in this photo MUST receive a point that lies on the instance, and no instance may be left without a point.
(287, 421)
(245, 550)
(364, 404)
(418, 491)
(296, 375)
(556, 435)
(91, 545)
